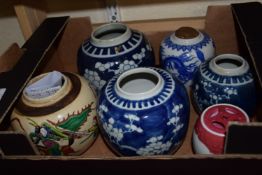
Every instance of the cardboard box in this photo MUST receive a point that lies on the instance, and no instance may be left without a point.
(53, 46)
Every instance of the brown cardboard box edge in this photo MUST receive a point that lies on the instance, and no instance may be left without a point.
(59, 51)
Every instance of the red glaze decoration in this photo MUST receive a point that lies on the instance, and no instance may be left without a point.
(211, 127)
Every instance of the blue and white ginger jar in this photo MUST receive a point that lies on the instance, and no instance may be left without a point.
(184, 51)
(225, 79)
(144, 111)
(112, 49)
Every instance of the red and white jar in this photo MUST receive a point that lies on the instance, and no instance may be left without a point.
(211, 127)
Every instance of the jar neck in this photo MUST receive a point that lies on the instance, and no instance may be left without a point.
(229, 65)
(110, 35)
(139, 84)
(51, 99)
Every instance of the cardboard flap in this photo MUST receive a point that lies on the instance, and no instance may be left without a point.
(250, 32)
(244, 138)
(16, 143)
(64, 57)
(15, 80)
(220, 26)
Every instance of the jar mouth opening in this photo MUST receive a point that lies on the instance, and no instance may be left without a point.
(110, 34)
(184, 36)
(186, 33)
(46, 98)
(128, 83)
(107, 33)
(66, 95)
(229, 64)
(139, 83)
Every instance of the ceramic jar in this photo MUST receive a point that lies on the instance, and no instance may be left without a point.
(225, 79)
(210, 129)
(63, 123)
(112, 49)
(143, 111)
(184, 50)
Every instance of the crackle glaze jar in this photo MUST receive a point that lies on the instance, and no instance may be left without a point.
(63, 123)
(112, 49)
(184, 51)
(225, 79)
(144, 111)
(211, 127)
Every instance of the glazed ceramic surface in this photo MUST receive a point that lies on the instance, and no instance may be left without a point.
(63, 123)
(112, 49)
(210, 129)
(144, 111)
(225, 79)
(184, 51)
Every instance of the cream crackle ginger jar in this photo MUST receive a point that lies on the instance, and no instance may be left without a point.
(57, 111)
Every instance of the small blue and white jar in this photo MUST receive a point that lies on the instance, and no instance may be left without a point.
(112, 49)
(143, 111)
(225, 79)
(184, 51)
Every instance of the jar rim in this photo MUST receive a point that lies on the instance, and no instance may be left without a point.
(139, 95)
(47, 98)
(187, 41)
(115, 40)
(241, 65)
(38, 108)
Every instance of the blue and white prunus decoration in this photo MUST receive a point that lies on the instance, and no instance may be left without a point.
(184, 51)
(143, 111)
(112, 49)
(225, 79)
